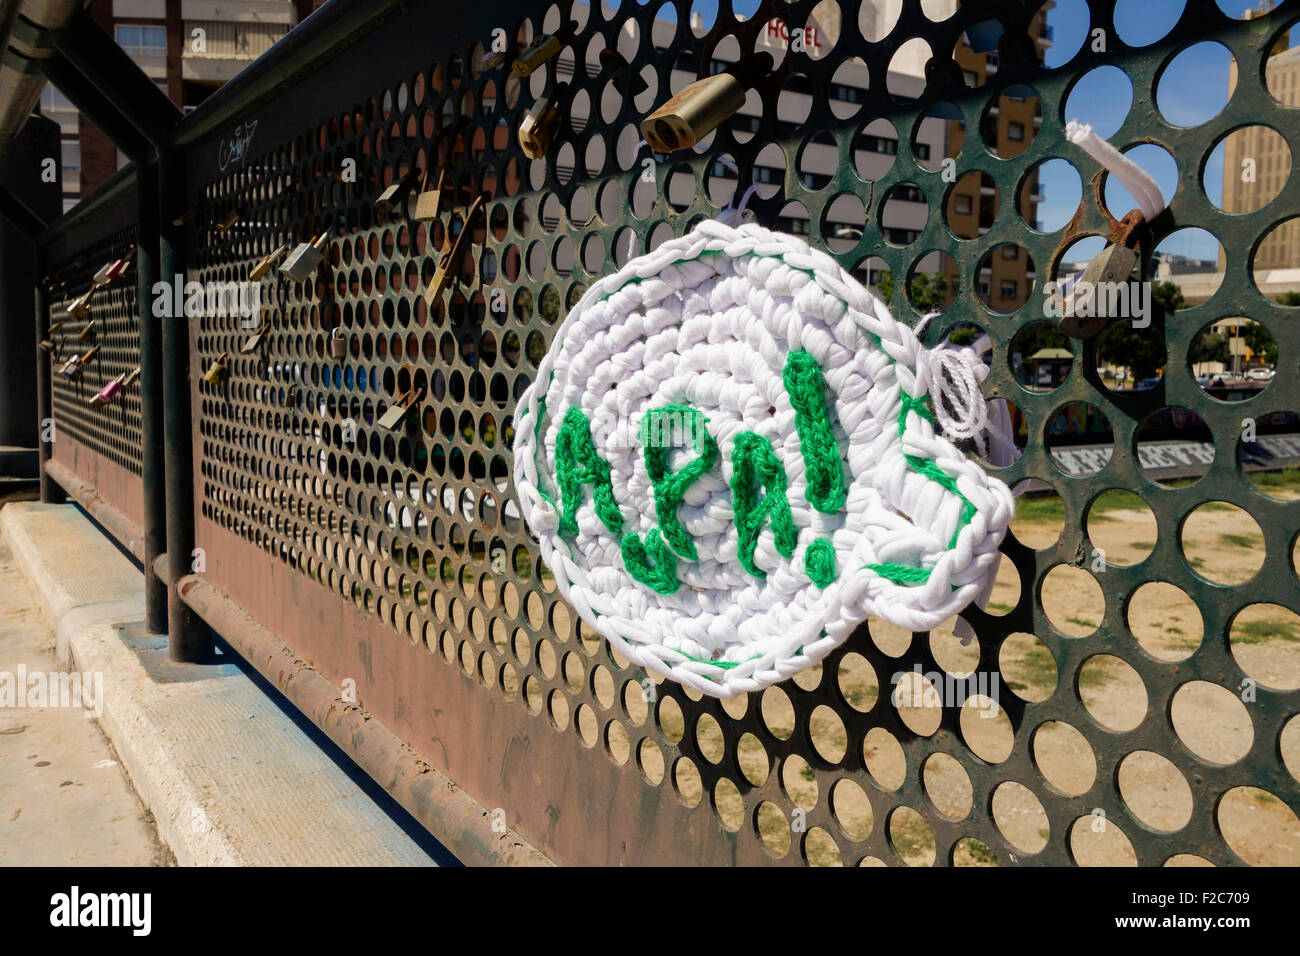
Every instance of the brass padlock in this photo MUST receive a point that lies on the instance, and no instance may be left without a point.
(89, 332)
(228, 220)
(539, 124)
(264, 265)
(427, 203)
(338, 344)
(219, 370)
(535, 54)
(451, 259)
(79, 307)
(612, 67)
(703, 106)
(401, 409)
(254, 341)
(394, 197)
(131, 377)
(302, 262)
(1084, 313)
(90, 355)
(56, 328)
(52, 346)
(291, 396)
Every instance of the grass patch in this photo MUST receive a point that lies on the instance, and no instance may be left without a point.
(1257, 632)
(1081, 622)
(999, 606)
(1241, 540)
(1044, 509)
(1288, 479)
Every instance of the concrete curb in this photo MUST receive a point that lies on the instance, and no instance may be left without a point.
(230, 779)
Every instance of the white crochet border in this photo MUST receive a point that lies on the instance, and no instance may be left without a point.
(826, 617)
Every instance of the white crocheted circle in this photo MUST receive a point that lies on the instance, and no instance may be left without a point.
(708, 321)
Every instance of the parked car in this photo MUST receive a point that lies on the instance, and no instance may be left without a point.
(1146, 384)
(1260, 374)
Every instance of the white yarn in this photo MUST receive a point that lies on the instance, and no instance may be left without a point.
(1144, 189)
(707, 320)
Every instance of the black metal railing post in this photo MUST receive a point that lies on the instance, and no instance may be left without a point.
(189, 639)
(152, 453)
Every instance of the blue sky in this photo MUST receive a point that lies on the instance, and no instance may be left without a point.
(1193, 90)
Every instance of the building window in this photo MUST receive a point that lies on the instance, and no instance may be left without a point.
(1010, 252)
(1016, 131)
(845, 94)
(71, 158)
(142, 41)
(922, 150)
(768, 174)
(877, 144)
(961, 204)
(1007, 289)
(972, 78)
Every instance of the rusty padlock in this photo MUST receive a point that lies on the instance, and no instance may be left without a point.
(1083, 302)
(265, 264)
(219, 371)
(338, 344)
(535, 54)
(427, 203)
(451, 259)
(228, 220)
(304, 260)
(703, 106)
(254, 341)
(401, 409)
(54, 347)
(539, 124)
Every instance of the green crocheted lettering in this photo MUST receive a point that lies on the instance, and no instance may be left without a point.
(754, 465)
(577, 463)
(807, 391)
(662, 430)
(819, 563)
(637, 557)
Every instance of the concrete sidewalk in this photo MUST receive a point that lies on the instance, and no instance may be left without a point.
(232, 775)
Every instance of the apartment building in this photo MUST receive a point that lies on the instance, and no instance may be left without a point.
(188, 47)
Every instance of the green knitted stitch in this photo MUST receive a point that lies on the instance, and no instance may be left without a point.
(662, 577)
(670, 487)
(807, 391)
(819, 562)
(900, 573)
(755, 464)
(577, 463)
(928, 468)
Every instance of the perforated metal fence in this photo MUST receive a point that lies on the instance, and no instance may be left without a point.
(398, 560)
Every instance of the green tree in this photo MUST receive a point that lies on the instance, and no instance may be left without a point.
(1289, 298)
(1260, 342)
(1209, 347)
(1142, 350)
(927, 291)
